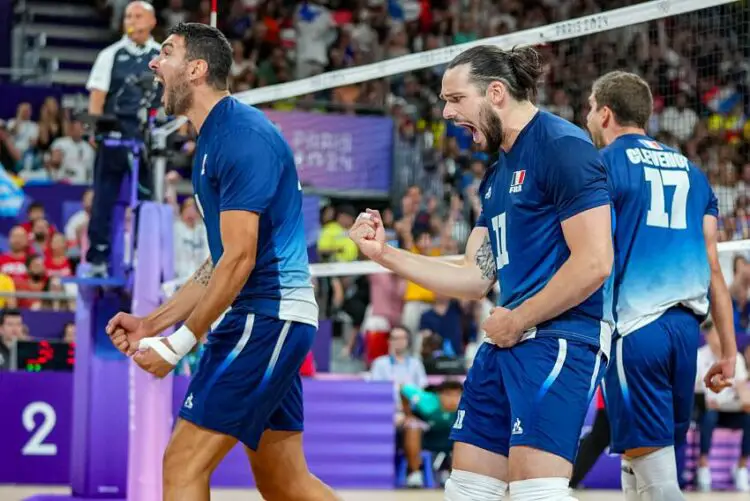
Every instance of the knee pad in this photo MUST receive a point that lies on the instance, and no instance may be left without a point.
(541, 489)
(628, 481)
(656, 476)
(468, 486)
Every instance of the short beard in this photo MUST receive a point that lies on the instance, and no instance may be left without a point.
(180, 97)
(492, 128)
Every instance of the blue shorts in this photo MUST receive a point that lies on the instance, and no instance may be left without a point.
(535, 394)
(650, 382)
(248, 377)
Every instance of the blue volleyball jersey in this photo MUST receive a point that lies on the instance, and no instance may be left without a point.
(242, 162)
(551, 173)
(660, 199)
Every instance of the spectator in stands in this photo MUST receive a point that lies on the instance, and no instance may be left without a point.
(430, 414)
(60, 301)
(52, 124)
(35, 281)
(13, 262)
(56, 261)
(448, 319)
(679, 120)
(417, 299)
(23, 129)
(40, 237)
(399, 366)
(730, 409)
(69, 332)
(11, 329)
(316, 32)
(7, 291)
(174, 14)
(71, 157)
(334, 243)
(10, 156)
(34, 212)
(114, 91)
(75, 228)
(739, 289)
(190, 241)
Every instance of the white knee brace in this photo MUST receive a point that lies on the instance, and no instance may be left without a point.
(468, 486)
(656, 475)
(541, 489)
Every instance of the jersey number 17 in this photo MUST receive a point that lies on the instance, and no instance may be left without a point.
(657, 215)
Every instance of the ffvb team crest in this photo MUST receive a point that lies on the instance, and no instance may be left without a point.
(517, 183)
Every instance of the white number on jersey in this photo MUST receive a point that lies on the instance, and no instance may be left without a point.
(501, 254)
(657, 214)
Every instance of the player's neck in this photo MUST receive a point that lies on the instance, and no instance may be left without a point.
(203, 103)
(623, 131)
(515, 119)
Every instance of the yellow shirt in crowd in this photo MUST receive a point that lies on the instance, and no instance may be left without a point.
(335, 240)
(7, 286)
(416, 292)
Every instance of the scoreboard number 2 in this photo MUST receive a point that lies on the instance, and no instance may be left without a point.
(35, 446)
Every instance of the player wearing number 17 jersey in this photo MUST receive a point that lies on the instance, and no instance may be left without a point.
(546, 234)
(666, 270)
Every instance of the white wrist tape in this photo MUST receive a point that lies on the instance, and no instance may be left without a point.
(182, 341)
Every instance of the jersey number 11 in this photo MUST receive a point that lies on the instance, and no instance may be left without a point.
(657, 215)
(501, 249)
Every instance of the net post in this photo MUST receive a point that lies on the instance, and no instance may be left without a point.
(150, 399)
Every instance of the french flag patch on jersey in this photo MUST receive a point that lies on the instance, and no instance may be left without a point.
(650, 144)
(517, 183)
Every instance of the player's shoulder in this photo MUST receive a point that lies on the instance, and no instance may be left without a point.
(558, 131)
(246, 125)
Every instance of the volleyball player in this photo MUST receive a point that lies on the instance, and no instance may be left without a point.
(546, 233)
(247, 387)
(666, 274)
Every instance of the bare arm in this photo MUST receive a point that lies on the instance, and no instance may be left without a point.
(589, 238)
(721, 301)
(178, 307)
(96, 101)
(239, 237)
(465, 277)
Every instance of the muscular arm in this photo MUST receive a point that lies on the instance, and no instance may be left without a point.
(467, 277)
(721, 301)
(589, 238)
(239, 238)
(178, 307)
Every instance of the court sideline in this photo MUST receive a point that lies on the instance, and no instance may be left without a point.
(8, 493)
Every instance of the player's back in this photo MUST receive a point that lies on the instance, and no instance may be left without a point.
(552, 172)
(242, 162)
(660, 199)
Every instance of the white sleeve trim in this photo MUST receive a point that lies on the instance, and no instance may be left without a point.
(101, 72)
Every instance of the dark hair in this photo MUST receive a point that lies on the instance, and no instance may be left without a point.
(450, 385)
(627, 95)
(9, 312)
(209, 44)
(519, 68)
(32, 257)
(34, 205)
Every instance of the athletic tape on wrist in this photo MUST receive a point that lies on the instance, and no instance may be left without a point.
(181, 342)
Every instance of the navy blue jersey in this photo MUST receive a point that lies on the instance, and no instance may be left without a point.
(242, 162)
(551, 173)
(660, 199)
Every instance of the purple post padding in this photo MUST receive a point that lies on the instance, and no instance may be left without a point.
(150, 398)
(322, 346)
(100, 410)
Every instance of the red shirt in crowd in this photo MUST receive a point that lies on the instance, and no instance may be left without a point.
(58, 267)
(27, 226)
(13, 266)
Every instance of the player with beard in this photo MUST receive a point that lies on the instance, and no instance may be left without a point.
(247, 387)
(546, 234)
(666, 270)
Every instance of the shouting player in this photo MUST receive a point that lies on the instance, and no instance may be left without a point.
(247, 387)
(666, 269)
(546, 233)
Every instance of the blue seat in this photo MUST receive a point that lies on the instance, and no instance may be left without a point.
(427, 472)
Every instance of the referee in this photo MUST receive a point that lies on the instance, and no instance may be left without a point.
(116, 87)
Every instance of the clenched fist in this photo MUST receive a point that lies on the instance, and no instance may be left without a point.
(368, 233)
